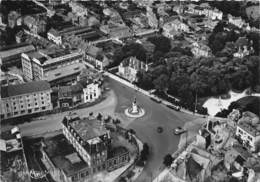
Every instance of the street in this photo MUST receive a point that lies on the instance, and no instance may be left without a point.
(146, 127)
(118, 99)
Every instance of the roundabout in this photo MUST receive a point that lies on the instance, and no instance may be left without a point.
(135, 111)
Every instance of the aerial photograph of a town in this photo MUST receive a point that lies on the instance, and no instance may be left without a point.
(130, 91)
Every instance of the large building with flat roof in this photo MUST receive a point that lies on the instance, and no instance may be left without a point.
(36, 64)
(24, 99)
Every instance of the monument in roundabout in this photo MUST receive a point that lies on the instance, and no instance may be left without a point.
(134, 111)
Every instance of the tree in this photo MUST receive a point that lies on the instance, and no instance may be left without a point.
(162, 44)
(167, 160)
(99, 117)
(161, 83)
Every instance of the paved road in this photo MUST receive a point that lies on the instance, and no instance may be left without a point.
(119, 99)
(52, 122)
(145, 127)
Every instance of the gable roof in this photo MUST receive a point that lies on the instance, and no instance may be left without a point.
(25, 88)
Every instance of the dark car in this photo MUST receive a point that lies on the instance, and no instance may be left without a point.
(179, 130)
(176, 108)
(159, 129)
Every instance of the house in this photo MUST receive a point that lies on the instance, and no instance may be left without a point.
(85, 148)
(14, 166)
(237, 21)
(129, 68)
(25, 99)
(36, 24)
(12, 18)
(176, 26)
(248, 131)
(152, 19)
(86, 90)
(36, 65)
(78, 9)
(200, 50)
(244, 47)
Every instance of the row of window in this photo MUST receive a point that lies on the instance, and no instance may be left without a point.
(24, 111)
(248, 137)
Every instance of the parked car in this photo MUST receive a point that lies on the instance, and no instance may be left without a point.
(159, 129)
(156, 99)
(176, 108)
(179, 130)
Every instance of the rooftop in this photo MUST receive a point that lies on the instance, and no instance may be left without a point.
(15, 51)
(25, 88)
(63, 155)
(64, 71)
(252, 130)
(87, 128)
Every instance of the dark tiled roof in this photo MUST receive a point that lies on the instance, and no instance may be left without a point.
(193, 168)
(20, 89)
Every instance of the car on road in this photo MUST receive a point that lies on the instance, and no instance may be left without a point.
(159, 129)
(176, 108)
(179, 130)
(156, 99)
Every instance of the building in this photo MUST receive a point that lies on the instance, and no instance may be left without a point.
(24, 99)
(35, 24)
(20, 37)
(248, 131)
(65, 75)
(84, 91)
(13, 161)
(36, 65)
(129, 68)
(235, 158)
(237, 21)
(62, 161)
(115, 31)
(78, 9)
(200, 50)
(84, 149)
(174, 26)
(12, 18)
(11, 55)
(152, 19)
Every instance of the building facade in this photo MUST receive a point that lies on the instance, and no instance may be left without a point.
(25, 99)
(36, 65)
(129, 68)
(248, 135)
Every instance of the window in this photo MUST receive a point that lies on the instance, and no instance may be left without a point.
(29, 111)
(43, 108)
(114, 161)
(22, 111)
(21, 106)
(13, 103)
(42, 102)
(14, 108)
(29, 105)
(7, 105)
(42, 98)
(82, 175)
(86, 173)
(250, 138)
(15, 113)
(36, 103)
